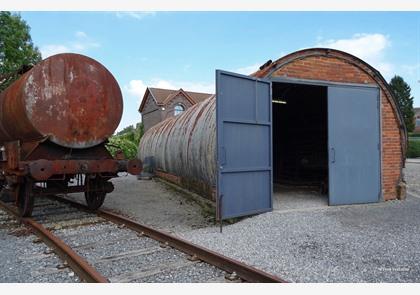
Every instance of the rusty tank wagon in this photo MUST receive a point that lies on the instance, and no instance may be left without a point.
(54, 124)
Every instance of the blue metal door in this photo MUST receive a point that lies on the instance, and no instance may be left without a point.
(354, 145)
(244, 149)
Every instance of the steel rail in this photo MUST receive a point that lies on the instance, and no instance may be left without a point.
(245, 272)
(78, 264)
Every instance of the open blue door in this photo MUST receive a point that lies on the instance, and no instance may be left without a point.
(244, 145)
(354, 145)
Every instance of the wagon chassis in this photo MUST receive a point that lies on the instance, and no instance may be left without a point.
(32, 169)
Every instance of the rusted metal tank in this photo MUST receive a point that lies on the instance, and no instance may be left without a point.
(185, 145)
(69, 98)
(54, 121)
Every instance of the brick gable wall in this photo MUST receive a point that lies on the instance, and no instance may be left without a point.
(151, 114)
(170, 106)
(336, 69)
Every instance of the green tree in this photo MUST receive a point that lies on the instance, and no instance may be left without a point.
(127, 140)
(131, 133)
(402, 92)
(116, 143)
(17, 51)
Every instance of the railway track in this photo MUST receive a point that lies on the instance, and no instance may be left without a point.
(104, 247)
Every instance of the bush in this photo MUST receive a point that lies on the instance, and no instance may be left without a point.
(128, 147)
(126, 140)
(413, 149)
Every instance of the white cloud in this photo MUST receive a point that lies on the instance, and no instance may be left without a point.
(411, 69)
(136, 88)
(135, 14)
(52, 49)
(386, 69)
(80, 44)
(80, 34)
(164, 84)
(248, 69)
(368, 47)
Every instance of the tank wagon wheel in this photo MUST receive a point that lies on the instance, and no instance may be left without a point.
(95, 199)
(26, 198)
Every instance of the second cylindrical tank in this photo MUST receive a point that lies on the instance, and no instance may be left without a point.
(185, 145)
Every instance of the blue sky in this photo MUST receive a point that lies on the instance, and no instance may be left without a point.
(183, 49)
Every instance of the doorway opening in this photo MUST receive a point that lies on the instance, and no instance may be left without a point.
(300, 146)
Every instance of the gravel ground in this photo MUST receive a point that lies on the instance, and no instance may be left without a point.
(153, 203)
(122, 256)
(289, 198)
(25, 261)
(412, 176)
(359, 243)
(197, 273)
(116, 252)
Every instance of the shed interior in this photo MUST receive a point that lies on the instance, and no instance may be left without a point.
(300, 144)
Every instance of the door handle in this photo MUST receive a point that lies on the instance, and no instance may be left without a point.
(332, 155)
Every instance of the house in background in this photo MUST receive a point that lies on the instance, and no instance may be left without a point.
(417, 118)
(159, 104)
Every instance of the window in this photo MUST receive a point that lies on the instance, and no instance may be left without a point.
(179, 109)
(418, 122)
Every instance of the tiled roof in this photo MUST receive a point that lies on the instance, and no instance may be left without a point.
(162, 96)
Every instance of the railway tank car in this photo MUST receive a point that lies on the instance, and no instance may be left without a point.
(54, 124)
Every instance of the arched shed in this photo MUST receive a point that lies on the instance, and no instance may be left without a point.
(314, 118)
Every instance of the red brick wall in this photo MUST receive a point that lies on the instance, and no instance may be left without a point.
(336, 69)
(416, 117)
(167, 176)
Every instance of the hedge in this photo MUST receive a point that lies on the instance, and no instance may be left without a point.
(413, 149)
